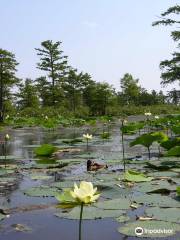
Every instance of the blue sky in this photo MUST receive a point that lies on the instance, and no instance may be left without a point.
(105, 38)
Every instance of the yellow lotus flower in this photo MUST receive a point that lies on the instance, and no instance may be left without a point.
(156, 117)
(87, 136)
(85, 193)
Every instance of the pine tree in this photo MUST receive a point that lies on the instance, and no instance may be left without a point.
(8, 79)
(54, 63)
(171, 68)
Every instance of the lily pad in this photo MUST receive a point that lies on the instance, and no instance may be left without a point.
(7, 179)
(133, 176)
(40, 177)
(156, 200)
(156, 187)
(122, 219)
(164, 174)
(90, 213)
(152, 229)
(116, 192)
(70, 161)
(2, 216)
(5, 171)
(120, 203)
(164, 214)
(61, 185)
(43, 191)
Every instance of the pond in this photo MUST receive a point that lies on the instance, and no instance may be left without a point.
(26, 188)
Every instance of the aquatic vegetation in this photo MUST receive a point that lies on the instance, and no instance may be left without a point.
(170, 143)
(133, 176)
(129, 228)
(175, 151)
(148, 139)
(178, 191)
(105, 135)
(45, 150)
(149, 185)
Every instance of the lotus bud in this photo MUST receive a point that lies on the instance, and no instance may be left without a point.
(7, 137)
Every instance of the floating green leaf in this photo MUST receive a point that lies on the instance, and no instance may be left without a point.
(159, 186)
(156, 200)
(152, 229)
(122, 219)
(120, 203)
(90, 213)
(133, 176)
(164, 214)
(43, 191)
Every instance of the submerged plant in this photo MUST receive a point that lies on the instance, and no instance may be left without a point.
(84, 194)
(87, 137)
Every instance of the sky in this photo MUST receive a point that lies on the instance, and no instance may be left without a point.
(106, 38)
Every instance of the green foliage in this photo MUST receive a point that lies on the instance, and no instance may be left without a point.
(133, 176)
(178, 190)
(170, 143)
(27, 95)
(171, 68)
(176, 129)
(146, 140)
(132, 128)
(130, 89)
(160, 137)
(8, 79)
(45, 150)
(175, 151)
(129, 129)
(105, 135)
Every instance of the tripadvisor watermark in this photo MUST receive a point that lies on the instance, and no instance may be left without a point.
(140, 231)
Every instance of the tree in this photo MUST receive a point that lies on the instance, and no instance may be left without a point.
(54, 63)
(44, 91)
(73, 86)
(130, 89)
(98, 97)
(171, 68)
(174, 96)
(27, 95)
(8, 79)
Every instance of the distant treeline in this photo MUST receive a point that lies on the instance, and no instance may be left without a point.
(64, 88)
